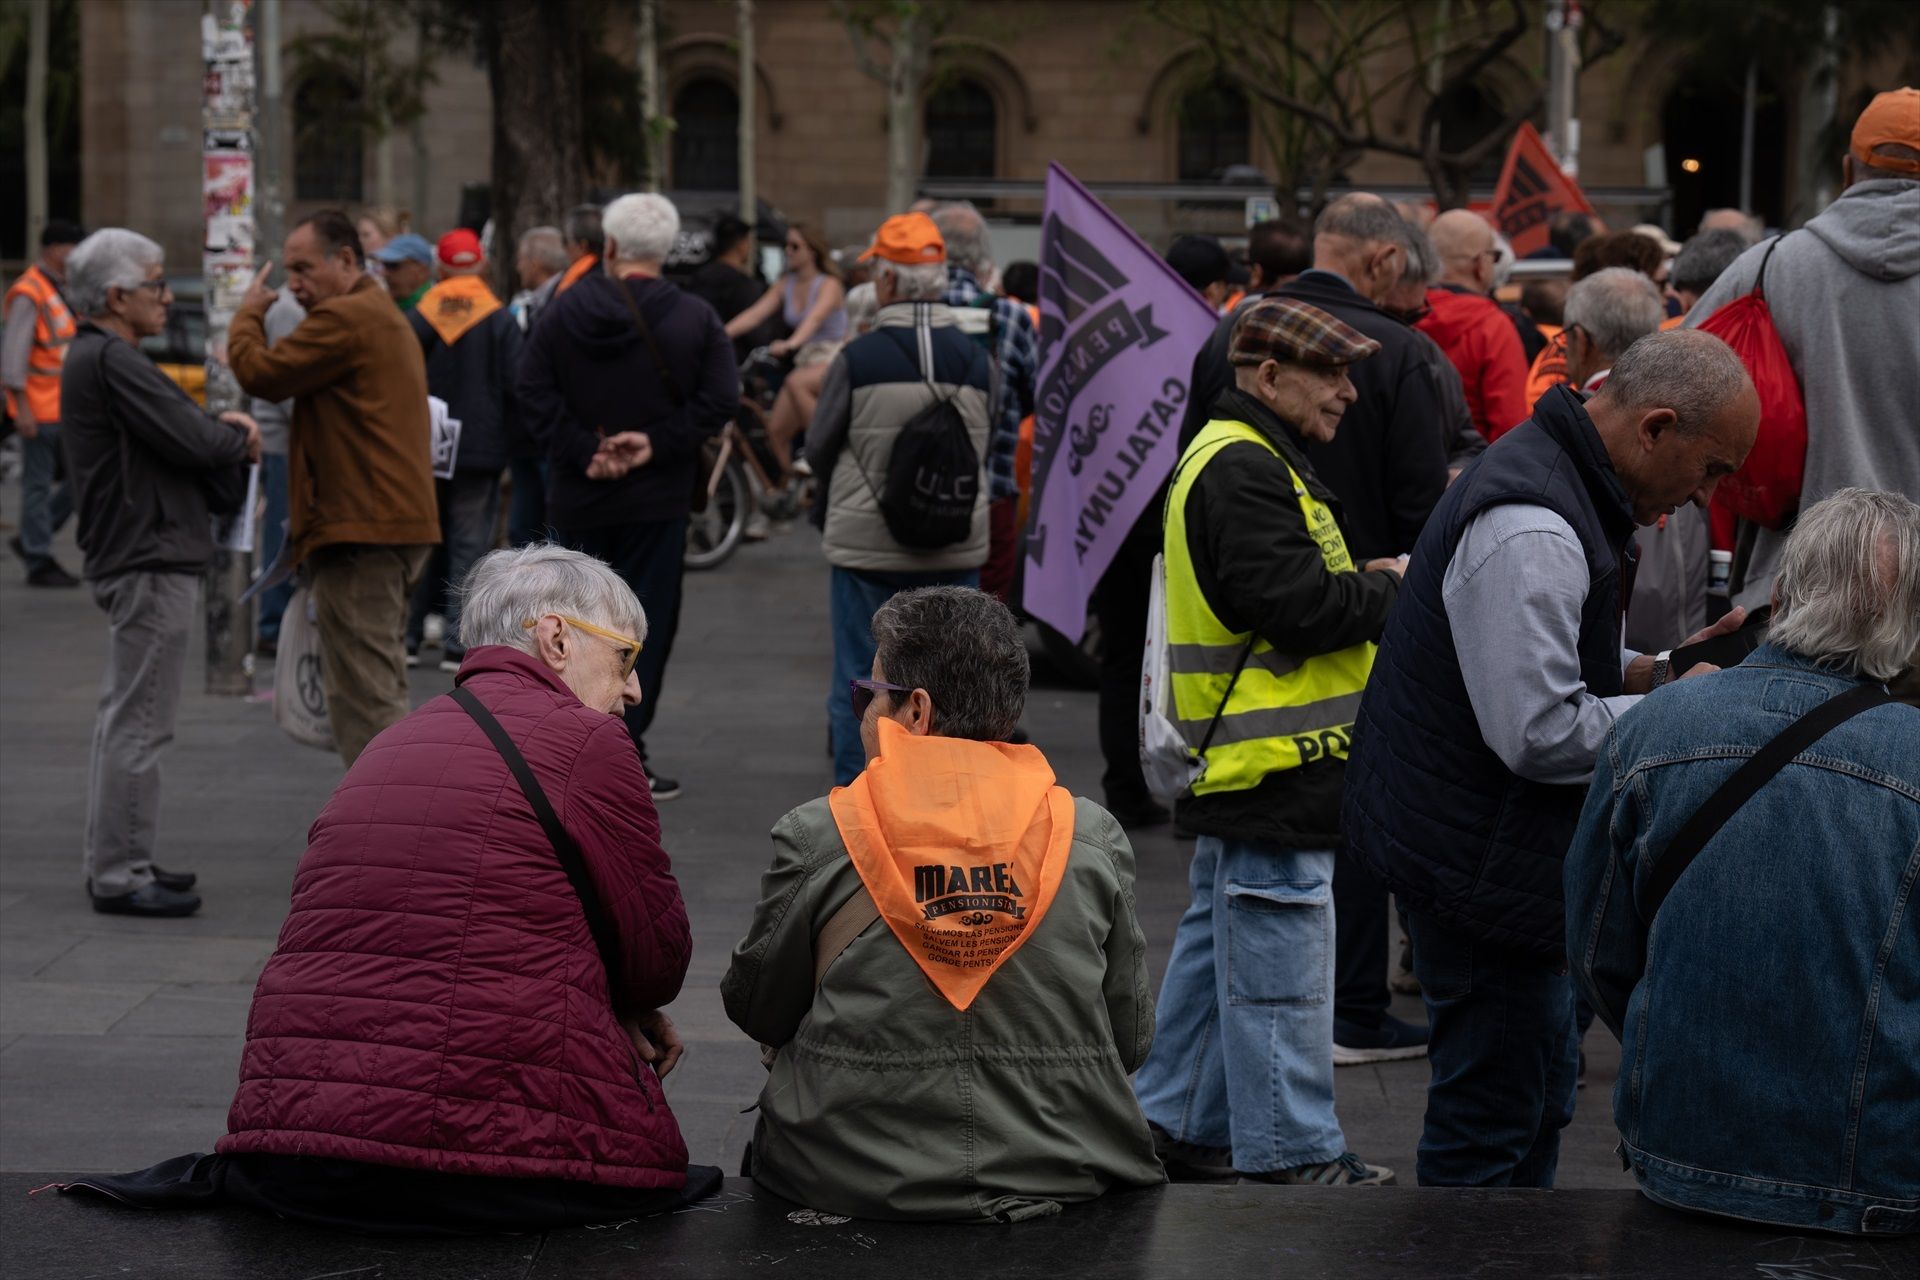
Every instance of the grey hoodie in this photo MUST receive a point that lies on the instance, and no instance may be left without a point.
(1844, 291)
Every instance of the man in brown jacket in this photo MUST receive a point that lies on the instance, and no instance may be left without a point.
(362, 506)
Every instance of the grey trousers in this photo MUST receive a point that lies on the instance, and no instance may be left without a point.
(150, 616)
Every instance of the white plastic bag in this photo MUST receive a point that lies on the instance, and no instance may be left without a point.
(299, 689)
(1169, 765)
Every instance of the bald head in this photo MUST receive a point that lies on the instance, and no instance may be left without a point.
(1677, 415)
(1359, 236)
(1464, 242)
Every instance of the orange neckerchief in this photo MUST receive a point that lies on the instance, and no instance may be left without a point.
(455, 305)
(962, 844)
(580, 267)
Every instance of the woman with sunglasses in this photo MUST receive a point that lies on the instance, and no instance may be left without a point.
(811, 300)
(444, 1041)
(965, 1055)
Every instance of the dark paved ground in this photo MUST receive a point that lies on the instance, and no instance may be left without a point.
(119, 1039)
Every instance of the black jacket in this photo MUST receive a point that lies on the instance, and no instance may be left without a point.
(729, 291)
(1387, 463)
(475, 376)
(142, 458)
(586, 375)
(1261, 571)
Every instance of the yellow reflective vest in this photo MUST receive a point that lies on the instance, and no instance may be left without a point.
(1283, 711)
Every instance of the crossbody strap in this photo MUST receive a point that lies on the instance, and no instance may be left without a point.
(653, 348)
(1747, 779)
(565, 848)
(841, 928)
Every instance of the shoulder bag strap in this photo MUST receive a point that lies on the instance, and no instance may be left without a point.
(1747, 779)
(565, 848)
(646, 336)
(841, 928)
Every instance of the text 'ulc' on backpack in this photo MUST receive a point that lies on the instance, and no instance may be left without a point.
(932, 479)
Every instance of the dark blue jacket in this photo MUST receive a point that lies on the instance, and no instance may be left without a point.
(475, 376)
(586, 375)
(1429, 805)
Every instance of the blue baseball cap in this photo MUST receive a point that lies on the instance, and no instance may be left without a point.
(407, 247)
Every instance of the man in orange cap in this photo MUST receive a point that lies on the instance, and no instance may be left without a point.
(472, 348)
(1844, 291)
(900, 440)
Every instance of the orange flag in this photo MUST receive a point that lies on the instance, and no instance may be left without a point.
(1532, 189)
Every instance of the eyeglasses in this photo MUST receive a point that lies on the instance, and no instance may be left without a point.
(159, 287)
(863, 691)
(630, 648)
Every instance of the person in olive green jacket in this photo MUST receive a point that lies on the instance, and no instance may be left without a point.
(965, 1056)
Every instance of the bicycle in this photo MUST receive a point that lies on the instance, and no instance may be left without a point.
(744, 479)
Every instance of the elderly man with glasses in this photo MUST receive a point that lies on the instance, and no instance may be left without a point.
(147, 465)
(460, 1030)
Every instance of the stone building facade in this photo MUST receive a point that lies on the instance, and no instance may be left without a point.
(1093, 84)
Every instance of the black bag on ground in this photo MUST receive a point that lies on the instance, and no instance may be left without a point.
(932, 479)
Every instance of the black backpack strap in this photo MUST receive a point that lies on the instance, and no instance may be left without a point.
(1760, 281)
(1747, 779)
(565, 848)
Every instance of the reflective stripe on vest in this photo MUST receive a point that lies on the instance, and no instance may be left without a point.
(1284, 711)
(53, 329)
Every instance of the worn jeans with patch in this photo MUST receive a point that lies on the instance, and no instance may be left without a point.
(1243, 1053)
(149, 619)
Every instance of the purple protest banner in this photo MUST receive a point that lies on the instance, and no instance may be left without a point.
(1118, 332)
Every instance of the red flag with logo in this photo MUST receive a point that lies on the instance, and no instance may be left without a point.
(1532, 189)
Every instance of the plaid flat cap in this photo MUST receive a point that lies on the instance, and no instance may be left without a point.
(1282, 329)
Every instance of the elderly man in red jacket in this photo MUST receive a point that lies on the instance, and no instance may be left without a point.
(460, 1029)
(1470, 327)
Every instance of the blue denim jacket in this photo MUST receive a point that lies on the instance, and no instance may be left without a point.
(1770, 1020)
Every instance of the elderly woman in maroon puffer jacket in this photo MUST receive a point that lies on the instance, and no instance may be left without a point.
(436, 1044)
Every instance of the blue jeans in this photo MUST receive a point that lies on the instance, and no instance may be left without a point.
(273, 484)
(527, 513)
(1243, 1053)
(1504, 1053)
(856, 597)
(468, 504)
(45, 503)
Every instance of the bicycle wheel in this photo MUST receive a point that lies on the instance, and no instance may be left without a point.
(713, 534)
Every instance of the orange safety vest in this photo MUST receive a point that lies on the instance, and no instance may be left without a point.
(53, 329)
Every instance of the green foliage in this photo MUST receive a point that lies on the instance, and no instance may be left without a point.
(368, 71)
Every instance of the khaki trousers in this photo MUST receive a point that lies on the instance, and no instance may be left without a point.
(360, 594)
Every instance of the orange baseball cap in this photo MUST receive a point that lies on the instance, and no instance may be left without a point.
(459, 248)
(1891, 119)
(909, 239)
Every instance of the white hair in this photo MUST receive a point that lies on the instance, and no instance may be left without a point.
(506, 588)
(1616, 308)
(110, 258)
(914, 282)
(1849, 584)
(969, 245)
(641, 227)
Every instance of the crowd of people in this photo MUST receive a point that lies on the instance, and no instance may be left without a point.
(1406, 572)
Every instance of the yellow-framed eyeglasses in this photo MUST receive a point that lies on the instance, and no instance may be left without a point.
(628, 644)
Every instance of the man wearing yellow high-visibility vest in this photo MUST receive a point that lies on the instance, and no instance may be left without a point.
(1272, 631)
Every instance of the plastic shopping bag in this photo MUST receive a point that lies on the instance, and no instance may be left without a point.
(299, 687)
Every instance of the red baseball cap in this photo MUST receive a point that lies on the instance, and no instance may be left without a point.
(459, 248)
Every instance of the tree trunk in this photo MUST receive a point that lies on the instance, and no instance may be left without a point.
(39, 35)
(906, 77)
(539, 159)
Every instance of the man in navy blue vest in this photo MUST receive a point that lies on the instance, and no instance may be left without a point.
(1499, 675)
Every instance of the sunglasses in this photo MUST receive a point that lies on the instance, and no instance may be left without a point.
(629, 647)
(863, 691)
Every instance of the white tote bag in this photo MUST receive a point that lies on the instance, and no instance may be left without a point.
(299, 689)
(1170, 766)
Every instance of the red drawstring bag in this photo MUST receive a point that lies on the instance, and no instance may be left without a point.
(1766, 489)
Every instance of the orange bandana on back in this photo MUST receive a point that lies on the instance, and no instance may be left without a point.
(457, 304)
(962, 844)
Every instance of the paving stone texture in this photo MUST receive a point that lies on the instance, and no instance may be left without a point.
(119, 1038)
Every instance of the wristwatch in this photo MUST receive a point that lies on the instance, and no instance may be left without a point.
(1662, 668)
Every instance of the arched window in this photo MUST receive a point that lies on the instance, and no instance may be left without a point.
(706, 136)
(961, 126)
(1468, 113)
(1216, 131)
(329, 156)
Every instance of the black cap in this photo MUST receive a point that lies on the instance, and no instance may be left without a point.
(60, 231)
(1199, 260)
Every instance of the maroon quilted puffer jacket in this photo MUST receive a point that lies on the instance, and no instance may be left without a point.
(436, 1001)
